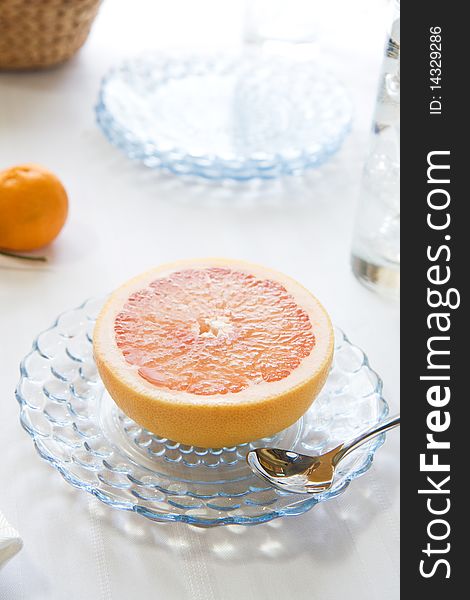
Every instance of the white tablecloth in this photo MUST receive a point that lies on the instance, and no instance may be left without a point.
(124, 219)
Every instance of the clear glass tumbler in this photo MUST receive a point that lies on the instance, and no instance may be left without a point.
(293, 21)
(375, 256)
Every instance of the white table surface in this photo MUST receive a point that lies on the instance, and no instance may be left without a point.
(124, 219)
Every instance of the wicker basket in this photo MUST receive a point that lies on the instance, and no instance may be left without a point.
(40, 33)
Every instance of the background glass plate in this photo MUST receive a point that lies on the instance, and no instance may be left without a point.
(77, 428)
(224, 118)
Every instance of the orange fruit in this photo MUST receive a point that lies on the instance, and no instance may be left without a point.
(213, 352)
(33, 207)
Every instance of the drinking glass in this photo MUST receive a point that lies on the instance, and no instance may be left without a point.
(375, 258)
(289, 21)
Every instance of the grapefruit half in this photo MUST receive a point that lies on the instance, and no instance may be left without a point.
(213, 352)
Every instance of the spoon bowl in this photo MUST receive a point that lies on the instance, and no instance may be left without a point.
(291, 471)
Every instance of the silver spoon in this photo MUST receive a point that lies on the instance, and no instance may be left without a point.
(293, 472)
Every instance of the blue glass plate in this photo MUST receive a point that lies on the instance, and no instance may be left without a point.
(78, 429)
(224, 118)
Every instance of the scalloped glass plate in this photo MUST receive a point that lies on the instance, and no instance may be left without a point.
(79, 430)
(224, 118)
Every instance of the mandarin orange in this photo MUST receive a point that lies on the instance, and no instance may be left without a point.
(33, 207)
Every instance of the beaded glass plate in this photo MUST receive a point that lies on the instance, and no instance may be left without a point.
(224, 118)
(79, 430)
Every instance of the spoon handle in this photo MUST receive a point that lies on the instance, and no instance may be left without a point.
(366, 436)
